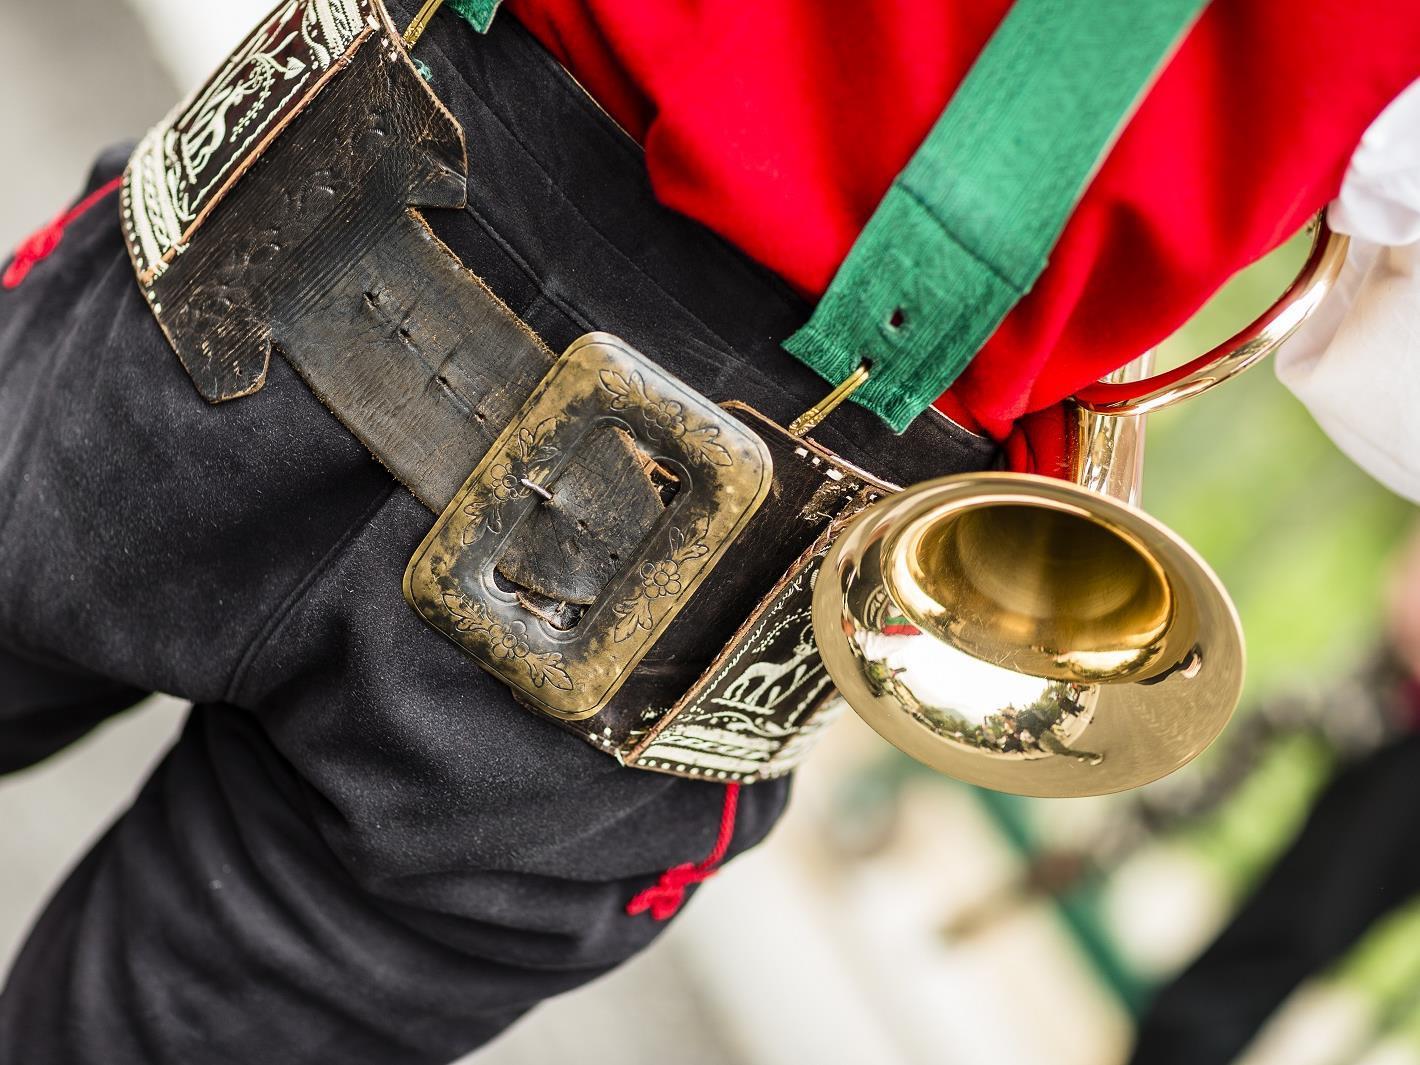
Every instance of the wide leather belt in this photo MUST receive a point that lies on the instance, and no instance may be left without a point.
(632, 559)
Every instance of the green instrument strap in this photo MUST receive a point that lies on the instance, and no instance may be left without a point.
(477, 13)
(968, 226)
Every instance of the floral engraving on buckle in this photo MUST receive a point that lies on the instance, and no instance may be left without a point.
(661, 582)
(529, 460)
(722, 471)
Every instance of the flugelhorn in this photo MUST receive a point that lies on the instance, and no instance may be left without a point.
(1043, 635)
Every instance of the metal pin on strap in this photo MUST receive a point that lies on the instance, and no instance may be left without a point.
(536, 488)
(831, 402)
(420, 22)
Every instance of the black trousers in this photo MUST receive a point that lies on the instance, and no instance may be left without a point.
(360, 850)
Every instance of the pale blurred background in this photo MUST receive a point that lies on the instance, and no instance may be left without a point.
(894, 918)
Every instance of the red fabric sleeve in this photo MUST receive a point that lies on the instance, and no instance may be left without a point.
(780, 125)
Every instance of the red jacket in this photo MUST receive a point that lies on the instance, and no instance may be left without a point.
(780, 124)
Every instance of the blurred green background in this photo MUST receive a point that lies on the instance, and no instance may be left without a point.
(1298, 534)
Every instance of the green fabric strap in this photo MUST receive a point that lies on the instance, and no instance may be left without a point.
(968, 226)
(478, 13)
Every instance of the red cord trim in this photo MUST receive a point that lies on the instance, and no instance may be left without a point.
(666, 895)
(41, 244)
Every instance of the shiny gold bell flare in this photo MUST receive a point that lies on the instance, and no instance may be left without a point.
(1044, 636)
(1029, 635)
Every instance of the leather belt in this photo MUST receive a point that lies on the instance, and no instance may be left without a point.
(617, 529)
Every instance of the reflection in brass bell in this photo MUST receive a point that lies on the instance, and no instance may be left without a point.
(1043, 636)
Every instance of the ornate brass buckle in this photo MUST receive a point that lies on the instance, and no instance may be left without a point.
(724, 472)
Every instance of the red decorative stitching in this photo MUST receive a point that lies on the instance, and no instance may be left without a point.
(665, 896)
(41, 244)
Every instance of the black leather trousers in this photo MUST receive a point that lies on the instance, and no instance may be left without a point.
(361, 850)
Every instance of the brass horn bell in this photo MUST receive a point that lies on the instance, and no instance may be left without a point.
(1044, 636)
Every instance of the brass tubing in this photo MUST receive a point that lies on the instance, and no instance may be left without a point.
(1238, 353)
(1043, 636)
